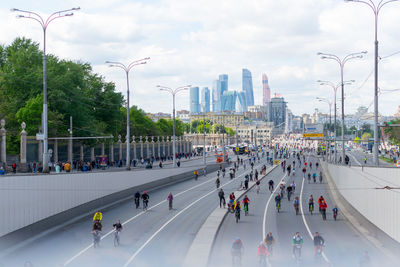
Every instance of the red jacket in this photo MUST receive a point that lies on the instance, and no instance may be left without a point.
(323, 205)
(262, 251)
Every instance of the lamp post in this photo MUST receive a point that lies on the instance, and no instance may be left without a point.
(45, 23)
(341, 63)
(204, 131)
(376, 9)
(127, 69)
(322, 99)
(173, 92)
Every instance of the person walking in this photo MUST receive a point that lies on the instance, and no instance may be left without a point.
(221, 196)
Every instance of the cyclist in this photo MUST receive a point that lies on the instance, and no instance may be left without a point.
(137, 199)
(269, 241)
(278, 200)
(282, 188)
(335, 212)
(196, 174)
(297, 242)
(117, 228)
(271, 185)
(262, 253)
(98, 216)
(320, 200)
(246, 202)
(96, 232)
(232, 196)
(293, 186)
(221, 196)
(296, 204)
(316, 165)
(237, 207)
(304, 173)
(258, 186)
(223, 173)
(145, 197)
(318, 243)
(323, 207)
(170, 198)
(310, 165)
(289, 191)
(218, 173)
(320, 177)
(217, 182)
(237, 251)
(311, 204)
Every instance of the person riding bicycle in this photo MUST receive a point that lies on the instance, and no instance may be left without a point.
(246, 202)
(335, 212)
(314, 176)
(221, 196)
(217, 182)
(293, 185)
(316, 165)
(117, 226)
(218, 173)
(97, 226)
(320, 200)
(297, 242)
(223, 173)
(98, 216)
(237, 207)
(137, 199)
(262, 254)
(311, 203)
(145, 197)
(296, 204)
(232, 196)
(318, 243)
(269, 241)
(278, 199)
(271, 185)
(289, 190)
(237, 251)
(170, 198)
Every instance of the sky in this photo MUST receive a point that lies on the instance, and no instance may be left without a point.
(192, 42)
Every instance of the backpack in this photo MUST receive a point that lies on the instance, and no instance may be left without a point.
(237, 245)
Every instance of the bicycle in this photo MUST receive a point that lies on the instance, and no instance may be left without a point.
(145, 204)
(311, 208)
(271, 188)
(278, 206)
(116, 237)
(257, 189)
(96, 238)
(296, 207)
(237, 215)
(137, 202)
(246, 209)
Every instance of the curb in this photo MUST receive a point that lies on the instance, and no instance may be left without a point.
(200, 249)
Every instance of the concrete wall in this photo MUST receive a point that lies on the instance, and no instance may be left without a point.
(35, 203)
(380, 206)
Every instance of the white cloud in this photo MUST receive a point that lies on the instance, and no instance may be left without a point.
(192, 42)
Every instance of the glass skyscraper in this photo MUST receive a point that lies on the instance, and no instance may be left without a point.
(216, 96)
(247, 86)
(242, 103)
(229, 101)
(205, 99)
(223, 78)
(194, 100)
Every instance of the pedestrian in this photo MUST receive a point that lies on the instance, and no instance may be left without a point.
(221, 196)
(170, 198)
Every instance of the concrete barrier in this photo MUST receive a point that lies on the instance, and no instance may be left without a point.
(373, 192)
(200, 249)
(33, 204)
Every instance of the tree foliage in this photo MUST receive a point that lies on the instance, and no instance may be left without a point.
(393, 132)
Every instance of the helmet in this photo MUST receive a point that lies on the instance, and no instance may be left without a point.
(144, 192)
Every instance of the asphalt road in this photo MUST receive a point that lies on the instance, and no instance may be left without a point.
(344, 245)
(157, 237)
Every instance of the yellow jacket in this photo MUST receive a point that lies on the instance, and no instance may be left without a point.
(97, 216)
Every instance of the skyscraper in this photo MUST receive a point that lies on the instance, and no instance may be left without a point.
(205, 99)
(266, 90)
(216, 96)
(194, 100)
(241, 103)
(247, 86)
(229, 101)
(277, 110)
(223, 78)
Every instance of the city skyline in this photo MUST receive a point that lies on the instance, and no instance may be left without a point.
(291, 63)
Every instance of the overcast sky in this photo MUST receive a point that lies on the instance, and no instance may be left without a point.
(192, 42)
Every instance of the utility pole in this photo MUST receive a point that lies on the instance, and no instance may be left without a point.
(70, 140)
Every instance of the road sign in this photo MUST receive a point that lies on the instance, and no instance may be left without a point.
(313, 135)
(237, 149)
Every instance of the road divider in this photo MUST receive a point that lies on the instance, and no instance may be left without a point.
(200, 250)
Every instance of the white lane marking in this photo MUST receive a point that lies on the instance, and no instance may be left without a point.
(305, 222)
(131, 219)
(355, 159)
(173, 218)
(266, 206)
(136, 216)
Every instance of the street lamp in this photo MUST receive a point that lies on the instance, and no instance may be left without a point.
(376, 9)
(45, 23)
(335, 87)
(342, 62)
(323, 99)
(173, 92)
(127, 69)
(204, 131)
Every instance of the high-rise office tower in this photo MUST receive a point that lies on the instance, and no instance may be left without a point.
(205, 99)
(194, 100)
(277, 110)
(229, 101)
(247, 86)
(241, 103)
(216, 96)
(223, 78)
(266, 90)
